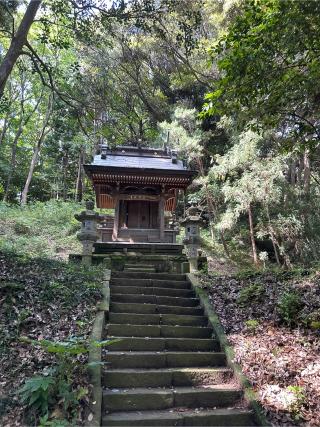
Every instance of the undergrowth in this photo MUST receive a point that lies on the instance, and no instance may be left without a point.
(40, 229)
(46, 313)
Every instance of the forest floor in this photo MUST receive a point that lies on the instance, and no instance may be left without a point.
(47, 310)
(273, 321)
(47, 307)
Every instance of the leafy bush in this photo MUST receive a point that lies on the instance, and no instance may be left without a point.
(252, 325)
(289, 307)
(253, 292)
(298, 401)
(56, 389)
(35, 392)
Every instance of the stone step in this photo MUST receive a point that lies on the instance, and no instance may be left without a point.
(163, 344)
(116, 330)
(157, 319)
(216, 418)
(154, 399)
(141, 282)
(140, 269)
(156, 276)
(121, 307)
(153, 299)
(152, 291)
(138, 264)
(151, 359)
(126, 378)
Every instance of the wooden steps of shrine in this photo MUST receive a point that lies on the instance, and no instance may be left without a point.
(166, 367)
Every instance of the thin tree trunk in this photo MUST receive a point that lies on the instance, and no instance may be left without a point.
(22, 124)
(13, 161)
(300, 170)
(4, 128)
(306, 172)
(65, 162)
(33, 163)
(79, 184)
(17, 43)
(253, 243)
(293, 172)
(272, 236)
(36, 152)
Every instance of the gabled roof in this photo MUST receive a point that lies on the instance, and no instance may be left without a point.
(120, 160)
(138, 158)
(136, 166)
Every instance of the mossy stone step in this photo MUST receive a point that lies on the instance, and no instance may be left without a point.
(122, 330)
(138, 264)
(157, 319)
(152, 291)
(140, 269)
(151, 399)
(215, 418)
(120, 307)
(150, 359)
(153, 299)
(164, 344)
(142, 282)
(127, 378)
(157, 276)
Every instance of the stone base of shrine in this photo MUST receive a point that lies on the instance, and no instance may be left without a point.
(147, 257)
(143, 248)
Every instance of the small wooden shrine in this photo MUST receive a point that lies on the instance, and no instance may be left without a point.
(141, 185)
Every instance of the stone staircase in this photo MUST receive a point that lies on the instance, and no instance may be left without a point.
(167, 368)
(142, 268)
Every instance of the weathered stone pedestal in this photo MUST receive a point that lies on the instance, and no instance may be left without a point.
(88, 234)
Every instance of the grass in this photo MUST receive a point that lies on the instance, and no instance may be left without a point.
(40, 229)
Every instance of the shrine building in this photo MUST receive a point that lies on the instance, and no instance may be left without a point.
(142, 186)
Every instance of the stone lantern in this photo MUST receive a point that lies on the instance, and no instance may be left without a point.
(88, 234)
(192, 240)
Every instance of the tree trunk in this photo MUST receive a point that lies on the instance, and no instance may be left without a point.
(272, 236)
(65, 162)
(300, 170)
(36, 152)
(13, 161)
(292, 172)
(306, 172)
(253, 243)
(79, 184)
(33, 163)
(17, 43)
(4, 128)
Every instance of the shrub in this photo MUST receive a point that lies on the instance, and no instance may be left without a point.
(289, 307)
(252, 325)
(44, 393)
(253, 292)
(298, 401)
(35, 392)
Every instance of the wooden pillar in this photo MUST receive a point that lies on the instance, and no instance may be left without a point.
(116, 218)
(161, 216)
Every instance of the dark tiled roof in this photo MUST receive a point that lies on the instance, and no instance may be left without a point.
(138, 158)
(140, 162)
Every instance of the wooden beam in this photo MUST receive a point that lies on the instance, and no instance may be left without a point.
(116, 218)
(161, 216)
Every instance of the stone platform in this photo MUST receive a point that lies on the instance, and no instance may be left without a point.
(144, 248)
